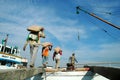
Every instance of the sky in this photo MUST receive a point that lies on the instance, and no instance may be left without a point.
(89, 38)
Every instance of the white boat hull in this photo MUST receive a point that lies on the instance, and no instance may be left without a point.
(6, 67)
(72, 75)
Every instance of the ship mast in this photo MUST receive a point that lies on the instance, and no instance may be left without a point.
(5, 43)
(92, 14)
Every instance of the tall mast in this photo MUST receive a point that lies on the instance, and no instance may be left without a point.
(92, 14)
(5, 43)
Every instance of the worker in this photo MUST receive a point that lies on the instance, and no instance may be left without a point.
(47, 46)
(72, 60)
(33, 40)
(56, 56)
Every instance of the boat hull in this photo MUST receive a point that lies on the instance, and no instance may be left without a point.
(72, 75)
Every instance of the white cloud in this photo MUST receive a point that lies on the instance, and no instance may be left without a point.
(64, 33)
(110, 49)
(106, 52)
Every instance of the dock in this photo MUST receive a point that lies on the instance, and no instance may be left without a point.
(19, 74)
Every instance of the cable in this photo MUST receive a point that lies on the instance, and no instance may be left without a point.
(112, 14)
(105, 31)
(102, 30)
(93, 15)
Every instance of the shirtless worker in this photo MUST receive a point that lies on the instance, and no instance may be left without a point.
(73, 60)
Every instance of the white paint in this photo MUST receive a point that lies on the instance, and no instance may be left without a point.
(72, 75)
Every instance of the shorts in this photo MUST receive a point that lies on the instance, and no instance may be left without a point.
(45, 60)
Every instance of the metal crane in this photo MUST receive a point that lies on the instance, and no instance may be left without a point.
(92, 14)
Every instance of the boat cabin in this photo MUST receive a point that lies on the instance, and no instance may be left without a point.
(10, 50)
(10, 58)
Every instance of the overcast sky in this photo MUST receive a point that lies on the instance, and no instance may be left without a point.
(90, 39)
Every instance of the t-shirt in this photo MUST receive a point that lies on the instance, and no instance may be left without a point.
(45, 52)
(57, 56)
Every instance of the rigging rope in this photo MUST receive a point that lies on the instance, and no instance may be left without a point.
(104, 31)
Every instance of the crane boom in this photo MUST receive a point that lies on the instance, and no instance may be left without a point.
(92, 14)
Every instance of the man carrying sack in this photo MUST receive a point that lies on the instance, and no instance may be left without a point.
(56, 56)
(33, 39)
(47, 46)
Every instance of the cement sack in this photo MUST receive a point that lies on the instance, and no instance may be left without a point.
(46, 44)
(57, 49)
(35, 28)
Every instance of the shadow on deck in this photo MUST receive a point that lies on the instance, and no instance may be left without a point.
(108, 72)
